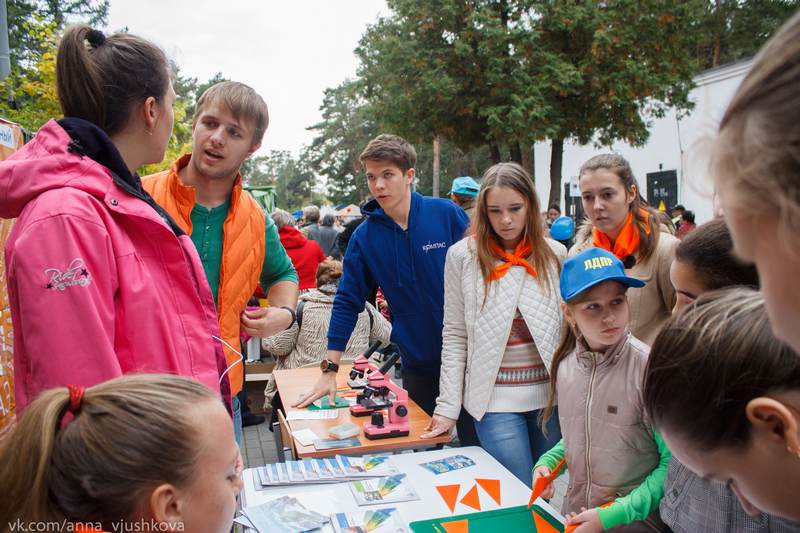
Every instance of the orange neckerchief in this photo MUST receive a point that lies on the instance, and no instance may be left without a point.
(522, 250)
(628, 239)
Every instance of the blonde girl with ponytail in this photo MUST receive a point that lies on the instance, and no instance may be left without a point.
(148, 450)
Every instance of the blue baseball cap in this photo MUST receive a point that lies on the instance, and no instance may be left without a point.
(466, 186)
(592, 267)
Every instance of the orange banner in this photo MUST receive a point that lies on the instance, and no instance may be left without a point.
(11, 139)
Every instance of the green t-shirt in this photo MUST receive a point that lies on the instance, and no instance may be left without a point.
(207, 238)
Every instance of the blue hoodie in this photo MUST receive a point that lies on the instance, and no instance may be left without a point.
(409, 267)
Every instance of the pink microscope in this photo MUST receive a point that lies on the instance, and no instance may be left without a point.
(381, 395)
(363, 366)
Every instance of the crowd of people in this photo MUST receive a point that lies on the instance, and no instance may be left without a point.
(662, 370)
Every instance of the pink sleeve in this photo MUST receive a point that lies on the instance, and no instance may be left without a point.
(62, 281)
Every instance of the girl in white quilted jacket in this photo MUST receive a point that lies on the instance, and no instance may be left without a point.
(501, 323)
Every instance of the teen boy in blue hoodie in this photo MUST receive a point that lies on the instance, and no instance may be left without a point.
(401, 247)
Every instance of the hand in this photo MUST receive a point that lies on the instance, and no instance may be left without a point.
(265, 321)
(588, 521)
(543, 471)
(382, 305)
(437, 426)
(326, 384)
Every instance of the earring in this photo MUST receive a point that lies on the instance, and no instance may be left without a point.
(149, 132)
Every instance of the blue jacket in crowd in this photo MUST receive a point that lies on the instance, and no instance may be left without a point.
(409, 267)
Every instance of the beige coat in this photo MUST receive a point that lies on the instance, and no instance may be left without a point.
(651, 306)
(608, 447)
(474, 335)
(297, 347)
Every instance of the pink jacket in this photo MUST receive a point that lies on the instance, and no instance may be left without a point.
(99, 284)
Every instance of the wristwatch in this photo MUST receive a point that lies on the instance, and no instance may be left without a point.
(329, 366)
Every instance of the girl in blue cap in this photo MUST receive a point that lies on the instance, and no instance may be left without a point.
(616, 461)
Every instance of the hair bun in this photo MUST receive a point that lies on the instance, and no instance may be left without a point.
(96, 38)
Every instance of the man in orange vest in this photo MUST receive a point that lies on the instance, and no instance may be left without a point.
(237, 243)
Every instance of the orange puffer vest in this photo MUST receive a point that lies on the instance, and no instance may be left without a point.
(243, 237)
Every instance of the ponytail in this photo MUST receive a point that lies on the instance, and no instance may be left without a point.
(128, 435)
(78, 79)
(565, 347)
(101, 78)
(26, 461)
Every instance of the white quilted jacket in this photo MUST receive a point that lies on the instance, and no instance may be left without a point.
(474, 336)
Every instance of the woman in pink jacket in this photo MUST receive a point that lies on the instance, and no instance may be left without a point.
(101, 281)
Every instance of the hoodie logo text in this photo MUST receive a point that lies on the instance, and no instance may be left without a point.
(75, 274)
(432, 246)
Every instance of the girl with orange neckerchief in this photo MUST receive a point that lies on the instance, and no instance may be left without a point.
(621, 222)
(502, 321)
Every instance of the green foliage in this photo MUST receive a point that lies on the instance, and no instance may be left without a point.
(255, 171)
(731, 30)
(607, 68)
(28, 96)
(346, 128)
(507, 73)
(453, 163)
(451, 68)
(292, 177)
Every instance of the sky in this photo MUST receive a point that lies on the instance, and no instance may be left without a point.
(289, 52)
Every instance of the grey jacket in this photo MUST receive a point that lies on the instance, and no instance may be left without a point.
(608, 446)
(692, 504)
(325, 236)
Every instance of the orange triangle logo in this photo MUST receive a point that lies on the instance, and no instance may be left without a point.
(471, 498)
(449, 494)
(542, 525)
(492, 488)
(459, 526)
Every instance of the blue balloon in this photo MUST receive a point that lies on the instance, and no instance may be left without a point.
(563, 228)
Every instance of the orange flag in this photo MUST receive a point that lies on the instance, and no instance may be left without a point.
(449, 494)
(492, 488)
(471, 498)
(543, 482)
(459, 526)
(542, 525)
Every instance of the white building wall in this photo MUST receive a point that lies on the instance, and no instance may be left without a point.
(673, 145)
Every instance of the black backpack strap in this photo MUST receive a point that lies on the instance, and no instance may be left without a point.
(298, 313)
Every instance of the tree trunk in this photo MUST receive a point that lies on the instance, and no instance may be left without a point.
(495, 153)
(717, 34)
(516, 152)
(556, 158)
(436, 166)
(527, 161)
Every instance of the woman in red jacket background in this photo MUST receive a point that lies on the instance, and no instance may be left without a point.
(306, 255)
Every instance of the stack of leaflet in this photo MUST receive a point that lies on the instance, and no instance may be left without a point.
(284, 515)
(326, 470)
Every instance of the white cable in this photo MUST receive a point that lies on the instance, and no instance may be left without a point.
(237, 352)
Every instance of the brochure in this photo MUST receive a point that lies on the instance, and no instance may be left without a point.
(448, 464)
(391, 489)
(384, 520)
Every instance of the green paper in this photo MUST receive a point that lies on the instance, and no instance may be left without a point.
(516, 519)
(340, 402)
